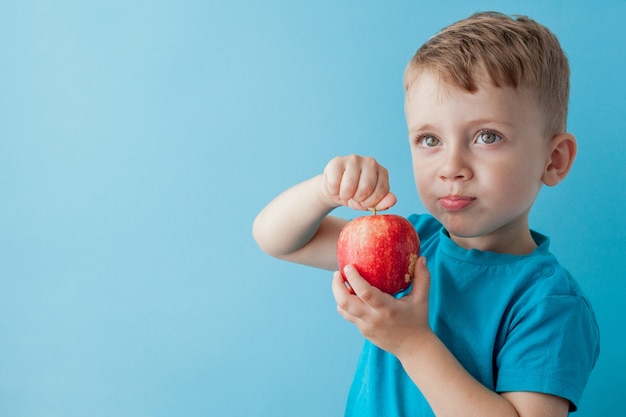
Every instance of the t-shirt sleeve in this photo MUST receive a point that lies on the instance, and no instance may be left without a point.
(427, 226)
(551, 348)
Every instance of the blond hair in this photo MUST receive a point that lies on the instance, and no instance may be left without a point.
(510, 51)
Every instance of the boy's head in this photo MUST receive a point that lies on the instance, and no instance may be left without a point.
(509, 52)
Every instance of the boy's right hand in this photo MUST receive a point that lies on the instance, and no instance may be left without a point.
(359, 182)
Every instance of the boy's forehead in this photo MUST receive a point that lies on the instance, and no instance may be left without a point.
(430, 85)
(431, 99)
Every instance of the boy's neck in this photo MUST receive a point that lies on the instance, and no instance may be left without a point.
(520, 242)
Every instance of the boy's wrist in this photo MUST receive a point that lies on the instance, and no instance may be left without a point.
(325, 200)
(418, 345)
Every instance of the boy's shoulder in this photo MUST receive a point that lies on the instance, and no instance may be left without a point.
(540, 271)
(426, 225)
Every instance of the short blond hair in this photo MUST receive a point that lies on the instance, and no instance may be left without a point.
(511, 51)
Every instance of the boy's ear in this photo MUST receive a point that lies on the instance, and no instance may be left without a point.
(562, 153)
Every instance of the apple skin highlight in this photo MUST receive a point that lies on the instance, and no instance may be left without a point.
(383, 249)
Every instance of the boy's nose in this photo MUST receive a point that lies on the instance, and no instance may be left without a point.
(454, 166)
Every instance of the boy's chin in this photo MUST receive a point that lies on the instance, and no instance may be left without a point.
(457, 227)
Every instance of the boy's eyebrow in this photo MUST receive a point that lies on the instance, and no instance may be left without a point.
(477, 122)
(422, 128)
(492, 121)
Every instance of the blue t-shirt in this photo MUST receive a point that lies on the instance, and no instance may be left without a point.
(515, 323)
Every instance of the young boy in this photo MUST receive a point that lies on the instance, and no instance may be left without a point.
(493, 325)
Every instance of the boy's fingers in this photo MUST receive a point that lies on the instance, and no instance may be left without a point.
(366, 187)
(340, 292)
(421, 279)
(345, 299)
(363, 289)
(388, 201)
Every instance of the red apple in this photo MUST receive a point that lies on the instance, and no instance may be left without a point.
(383, 248)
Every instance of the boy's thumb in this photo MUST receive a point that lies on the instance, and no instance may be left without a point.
(421, 277)
(387, 202)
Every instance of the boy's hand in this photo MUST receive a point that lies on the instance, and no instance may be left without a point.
(358, 182)
(394, 325)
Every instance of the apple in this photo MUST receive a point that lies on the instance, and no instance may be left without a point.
(383, 248)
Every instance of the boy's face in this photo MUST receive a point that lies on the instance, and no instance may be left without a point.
(478, 160)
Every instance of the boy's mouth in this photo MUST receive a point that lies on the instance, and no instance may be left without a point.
(455, 202)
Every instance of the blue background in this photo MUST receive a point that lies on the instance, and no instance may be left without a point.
(138, 140)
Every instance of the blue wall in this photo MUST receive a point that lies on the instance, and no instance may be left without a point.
(138, 140)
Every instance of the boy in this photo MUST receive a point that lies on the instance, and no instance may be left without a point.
(493, 325)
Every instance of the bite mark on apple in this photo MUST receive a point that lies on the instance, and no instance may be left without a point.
(412, 262)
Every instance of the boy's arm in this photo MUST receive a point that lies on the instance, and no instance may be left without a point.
(452, 391)
(400, 326)
(296, 225)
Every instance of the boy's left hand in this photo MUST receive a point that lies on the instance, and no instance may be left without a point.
(393, 324)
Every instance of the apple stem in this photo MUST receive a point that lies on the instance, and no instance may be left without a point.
(373, 211)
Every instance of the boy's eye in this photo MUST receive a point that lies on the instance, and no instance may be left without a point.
(488, 138)
(428, 141)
